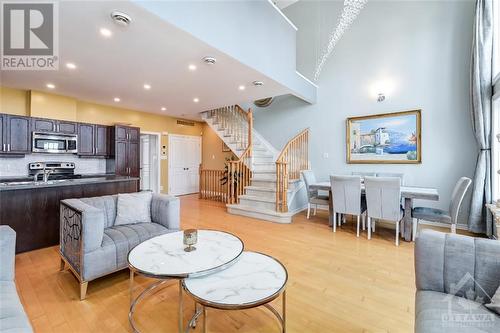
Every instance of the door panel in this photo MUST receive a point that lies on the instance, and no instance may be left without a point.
(133, 158)
(101, 140)
(67, 127)
(120, 133)
(18, 134)
(121, 158)
(43, 125)
(184, 160)
(85, 139)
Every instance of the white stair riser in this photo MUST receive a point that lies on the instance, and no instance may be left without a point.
(263, 159)
(264, 176)
(259, 216)
(257, 204)
(264, 194)
(271, 167)
(271, 184)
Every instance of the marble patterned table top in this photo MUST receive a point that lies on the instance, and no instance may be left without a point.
(164, 256)
(255, 279)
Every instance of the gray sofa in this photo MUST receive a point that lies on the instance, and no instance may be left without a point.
(13, 319)
(455, 276)
(93, 246)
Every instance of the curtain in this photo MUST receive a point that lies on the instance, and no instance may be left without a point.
(481, 91)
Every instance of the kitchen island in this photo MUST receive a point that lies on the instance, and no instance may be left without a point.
(32, 208)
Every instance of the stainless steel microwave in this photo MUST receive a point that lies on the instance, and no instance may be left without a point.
(58, 143)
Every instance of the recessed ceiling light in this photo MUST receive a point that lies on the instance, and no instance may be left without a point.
(241, 87)
(50, 86)
(105, 32)
(116, 99)
(147, 86)
(196, 99)
(121, 18)
(258, 83)
(192, 67)
(163, 108)
(71, 65)
(209, 60)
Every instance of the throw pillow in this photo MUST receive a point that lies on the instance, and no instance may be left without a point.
(495, 302)
(133, 208)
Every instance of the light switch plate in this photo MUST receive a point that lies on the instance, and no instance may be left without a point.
(325, 155)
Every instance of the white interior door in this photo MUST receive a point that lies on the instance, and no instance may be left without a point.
(184, 163)
(145, 163)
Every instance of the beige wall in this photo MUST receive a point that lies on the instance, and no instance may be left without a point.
(40, 104)
(213, 158)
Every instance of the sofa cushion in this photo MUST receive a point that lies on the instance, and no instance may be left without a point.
(439, 312)
(12, 316)
(133, 208)
(126, 237)
(107, 204)
(495, 302)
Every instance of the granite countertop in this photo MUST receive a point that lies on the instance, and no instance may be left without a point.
(23, 183)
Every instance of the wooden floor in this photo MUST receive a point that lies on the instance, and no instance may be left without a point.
(337, 282)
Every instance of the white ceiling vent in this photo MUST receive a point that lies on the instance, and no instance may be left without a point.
(121, 18)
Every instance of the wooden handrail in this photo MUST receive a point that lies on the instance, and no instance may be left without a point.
(294, 158)
(211, 185)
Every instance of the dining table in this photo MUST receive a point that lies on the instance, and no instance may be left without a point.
(408, 193)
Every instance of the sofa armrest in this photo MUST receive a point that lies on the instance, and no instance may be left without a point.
(165, 210)
(81, 230)
(7, 253)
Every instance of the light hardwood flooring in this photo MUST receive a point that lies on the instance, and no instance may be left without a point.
(337, 282)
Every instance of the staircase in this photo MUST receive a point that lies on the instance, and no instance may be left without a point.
(259, 193)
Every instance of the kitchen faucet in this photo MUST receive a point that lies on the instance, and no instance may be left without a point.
(45, 173)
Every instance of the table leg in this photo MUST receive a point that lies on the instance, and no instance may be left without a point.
(330, 208)
(204, 319)
(181, 319)
(283, 310)
(131, 285)
(408, 220)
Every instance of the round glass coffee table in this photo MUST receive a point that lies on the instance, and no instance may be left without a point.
(255, 279)
(163, 258)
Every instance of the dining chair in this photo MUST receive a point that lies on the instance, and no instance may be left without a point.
(383, 197)
(389, 174)
(363, 174)
(442, 216)
(313, 198)
(346, 199)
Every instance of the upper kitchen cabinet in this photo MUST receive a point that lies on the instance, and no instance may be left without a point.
(15, 134)
(126, 133)
(126, 151)
(93, 140)
(101, 140)
(55, 126)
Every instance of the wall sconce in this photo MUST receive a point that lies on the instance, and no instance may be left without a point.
(382, 88)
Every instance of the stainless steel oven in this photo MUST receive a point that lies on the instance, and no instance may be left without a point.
(45, 142)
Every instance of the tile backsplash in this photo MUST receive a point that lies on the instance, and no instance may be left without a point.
(19, 166)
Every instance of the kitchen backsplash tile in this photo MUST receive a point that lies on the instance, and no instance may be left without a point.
(19, 166)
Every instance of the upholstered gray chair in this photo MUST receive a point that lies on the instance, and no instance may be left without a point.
(313, 197)
(363, 174)
(346, 199)
(438, 215)
(12, 316)
(93, 246)
(383, 197)
(391, 174)
(455, 277)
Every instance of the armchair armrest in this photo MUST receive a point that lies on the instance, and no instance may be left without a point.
(7, 253)
(165, 210)
(81, 230)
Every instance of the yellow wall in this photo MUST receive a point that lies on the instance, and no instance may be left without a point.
(39, 104)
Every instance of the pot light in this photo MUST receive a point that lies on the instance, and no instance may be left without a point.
(209, 60)
(105, 32)
(163, 108)
(196, 99)
(50, 86)
(258, 83)
(116, 99)
(147, 86)
(192, 67)
(241, 87)
(71, 65)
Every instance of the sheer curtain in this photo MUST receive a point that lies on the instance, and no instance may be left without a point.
(481, 97)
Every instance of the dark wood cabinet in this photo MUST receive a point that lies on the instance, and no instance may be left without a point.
(2, 125)
(15, 135)
(86, 138)
(126, 151)
(34, 213)
(55, 126)
(101, 142)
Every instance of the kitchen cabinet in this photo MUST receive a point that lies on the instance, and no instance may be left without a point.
(86, 140)
(126, 151)
(54, 126)
(15, 134)
(101, 142)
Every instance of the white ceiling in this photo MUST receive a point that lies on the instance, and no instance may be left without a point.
(150, 51)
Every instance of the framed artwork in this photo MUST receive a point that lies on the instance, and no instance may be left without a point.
(385, 138)
(225, 148)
